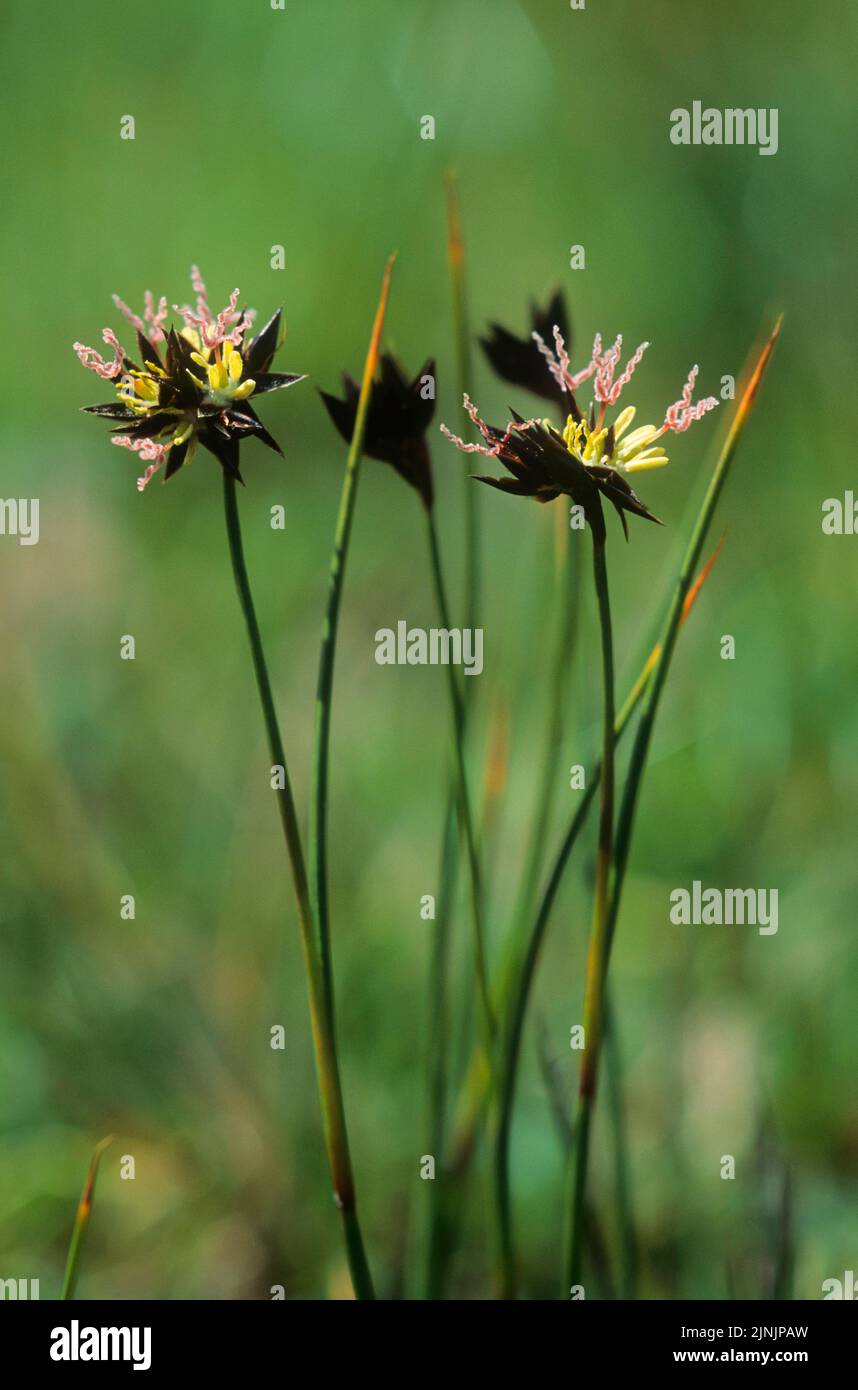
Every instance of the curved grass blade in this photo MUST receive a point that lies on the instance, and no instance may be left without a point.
(81, 1220)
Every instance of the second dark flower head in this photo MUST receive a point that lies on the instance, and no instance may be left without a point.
(399, 415)
(519, 360)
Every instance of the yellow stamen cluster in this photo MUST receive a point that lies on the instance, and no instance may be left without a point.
(139, 390)
(631, 452)
(223, 367)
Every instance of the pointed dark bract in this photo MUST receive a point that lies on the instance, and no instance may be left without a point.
(225, 450)
(273, 381)
(398, 417)
(260, 351)
(113, 410)
(175, 459)
(519, 361)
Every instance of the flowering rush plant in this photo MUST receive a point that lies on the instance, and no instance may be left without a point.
(193, 381)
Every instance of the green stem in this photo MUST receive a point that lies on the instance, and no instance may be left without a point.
(466, 817)
(517, 947)
(324, 698)
(438, 1032)
(598, 953)
(327, 656)
(330, 1088)
(567, 581)
(614, 1075)
(517, 986)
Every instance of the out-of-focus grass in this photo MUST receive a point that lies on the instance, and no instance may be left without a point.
(145, 777)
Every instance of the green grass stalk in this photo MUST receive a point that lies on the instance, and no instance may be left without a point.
(463, 797)
(327, 1063)
(327, 655)
(597, 955)
(313, 916)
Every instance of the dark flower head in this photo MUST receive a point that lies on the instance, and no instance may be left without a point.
(518, 360)
(190, 387)
(587, 459)
(398, 417)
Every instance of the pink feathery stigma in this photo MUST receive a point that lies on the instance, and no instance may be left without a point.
(236, 334)
(559, 365)
(626, 375)
(199, 289)
(94, 361)
(155, 317)
(225, 321)
(605, 364)
(192, 319)
(147, 477)
(200, 317)
(134, 319)
(605, 389)
(489, 450)
(149, 450)
(230, 323)
(150, 324)
(579, 378)
(683, 413)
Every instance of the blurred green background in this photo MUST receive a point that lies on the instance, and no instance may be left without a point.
(301, 128)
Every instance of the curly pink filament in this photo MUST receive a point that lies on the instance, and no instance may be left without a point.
(558, 364)
(488, 449)
(149, 450)
(683, 412)
(94, 361)
(605, 389)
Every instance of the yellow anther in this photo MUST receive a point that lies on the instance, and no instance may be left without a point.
(623, 420)
(199, 359)
(650, 458)
(242, 392)
(146, 388)
(235, 366)
(217, 376)
(572, 433)
(593, 447)
(638, 439)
